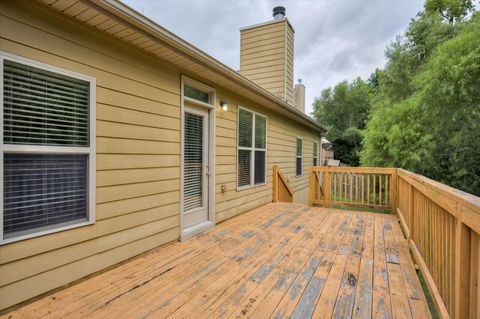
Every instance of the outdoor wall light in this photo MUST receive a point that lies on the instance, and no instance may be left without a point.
(224, 105)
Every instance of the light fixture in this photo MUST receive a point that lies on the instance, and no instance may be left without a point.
(224, 105)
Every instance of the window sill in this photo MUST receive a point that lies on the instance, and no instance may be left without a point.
(242, 188)
(45, 232)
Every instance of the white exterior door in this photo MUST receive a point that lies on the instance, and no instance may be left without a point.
(196, 170)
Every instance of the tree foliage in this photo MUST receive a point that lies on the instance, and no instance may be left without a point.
(344, 109)
(434, 127)
(424, 105)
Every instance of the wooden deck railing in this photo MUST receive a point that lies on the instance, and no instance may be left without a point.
(282, 192)
(352, 186)
(441, 223)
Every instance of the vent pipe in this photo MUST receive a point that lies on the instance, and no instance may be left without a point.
(279, 13)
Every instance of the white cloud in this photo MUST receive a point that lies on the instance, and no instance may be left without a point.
(334, 39)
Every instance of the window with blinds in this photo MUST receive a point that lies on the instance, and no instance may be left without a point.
(315, 154)
(299, 155)
(46, 149)
(193, 162)
(251, 156)
(43, 108)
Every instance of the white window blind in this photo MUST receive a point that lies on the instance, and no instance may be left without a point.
(193, 162)
(251, 156)
(43, 108)
(299, 155)
(46, 150)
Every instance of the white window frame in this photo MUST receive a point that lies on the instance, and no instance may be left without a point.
(251, 149)
(315, 154)
(40, 149)
(298, 156)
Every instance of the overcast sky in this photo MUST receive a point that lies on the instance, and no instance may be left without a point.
(334, 39)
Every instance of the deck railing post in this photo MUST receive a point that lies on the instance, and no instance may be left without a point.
(275, 183)
(462, 269)
(326, 187)
(311, 194)
(411, 209)
(394, 191)
(457, 276)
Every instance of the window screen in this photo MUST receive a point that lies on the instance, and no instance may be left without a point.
(299, 153)
(252, 140)
(44, 188)
(315, 154)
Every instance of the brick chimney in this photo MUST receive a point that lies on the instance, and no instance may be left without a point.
(266, 55)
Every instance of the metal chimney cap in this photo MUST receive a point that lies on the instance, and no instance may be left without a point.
(279, 12)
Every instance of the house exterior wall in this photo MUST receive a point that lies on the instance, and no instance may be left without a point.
(137, 154)
(281, 143)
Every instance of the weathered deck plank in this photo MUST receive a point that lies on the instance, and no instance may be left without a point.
(278, 261)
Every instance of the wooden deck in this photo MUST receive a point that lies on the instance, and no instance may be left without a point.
(278, 261)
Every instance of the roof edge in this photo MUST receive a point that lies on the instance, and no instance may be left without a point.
(131, 16)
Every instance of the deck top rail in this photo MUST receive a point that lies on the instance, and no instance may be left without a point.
(441, 223)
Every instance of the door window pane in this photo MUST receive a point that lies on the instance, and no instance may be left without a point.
(193, 162)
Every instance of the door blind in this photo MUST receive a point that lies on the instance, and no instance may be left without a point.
(193, 162)
(44, 108)
(42, 190)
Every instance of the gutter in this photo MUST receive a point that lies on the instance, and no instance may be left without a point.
(125, 13)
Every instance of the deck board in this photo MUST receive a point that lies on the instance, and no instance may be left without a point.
(277, 261)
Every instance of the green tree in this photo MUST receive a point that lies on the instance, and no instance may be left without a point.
(344, 110)
(435, 130)
(450, 10)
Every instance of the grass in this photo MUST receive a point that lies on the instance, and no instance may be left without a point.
(431, 304)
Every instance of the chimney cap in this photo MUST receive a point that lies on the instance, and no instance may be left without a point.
(279, 12)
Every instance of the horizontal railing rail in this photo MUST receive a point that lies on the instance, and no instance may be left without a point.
(442, 225)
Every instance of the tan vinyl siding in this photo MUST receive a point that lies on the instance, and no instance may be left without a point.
(263, 54)
(281, 143)
(138, 154)
(289, 64)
